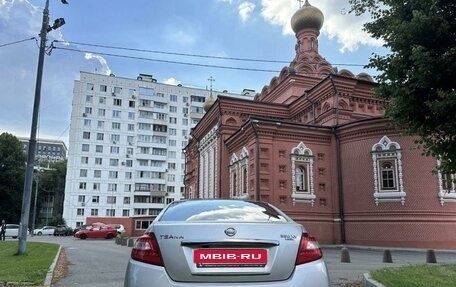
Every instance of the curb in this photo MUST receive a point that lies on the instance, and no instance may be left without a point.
(369, 282)
(50, 273)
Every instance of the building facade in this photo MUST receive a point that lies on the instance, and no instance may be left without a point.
(47, 151)
(316, 144)
(126, 146)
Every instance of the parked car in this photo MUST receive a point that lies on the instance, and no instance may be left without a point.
(63, 230)
(225, 242)
(12, 230)
(120, 228)
(85, 226)
(45, 230)
(102, 231)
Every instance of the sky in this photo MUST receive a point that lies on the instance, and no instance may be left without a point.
(177, 41)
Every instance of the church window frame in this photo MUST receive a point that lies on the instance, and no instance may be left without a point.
(447, 186)
(302, 179)
(387, 172)
(239, 170)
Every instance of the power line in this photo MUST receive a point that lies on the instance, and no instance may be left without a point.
(189, 54)
(16, 42)
(167, 61)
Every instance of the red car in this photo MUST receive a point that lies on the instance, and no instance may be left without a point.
(102, 231)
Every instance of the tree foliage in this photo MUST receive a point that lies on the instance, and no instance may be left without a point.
(52, 183)
(418, 75)
(12, 171)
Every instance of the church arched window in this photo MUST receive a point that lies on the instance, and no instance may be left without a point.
(387, 171)
(302, 174)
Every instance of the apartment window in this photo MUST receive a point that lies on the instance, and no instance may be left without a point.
(171, 154)
(185, 111)
(172, 142)
(129, 163)
(173, 98)
(96, 186)
(131, 127)
(112, 187)
(131, 115)
(131, 104)
(172, 120)
(81, 198)
(127, 188)
(172, 109)
(185, 122)
(88, 111)
(103, 88)
(111, 200)
(126, 213)
(99, 148)
(115, 138)
(94, 212)
(128, 175)
(110, 212)
(97, 173)
(82, 185)
(90, 87)
(114, 162)
(172, 132)
(302, 174)
(130, 139)
(387, 171)
(84, 160)
(126, 200)
(171, 177)
(98, 161)
(80, 212)
(117, 90)
(116, 126)
(185, 99)
(85, 147)
(100, 124)
(184, 133)
(116, 114)
(100, 136)
(102, 100)
(113, 174)
(87, 122)
(117, 102)
(101, 112)
(146, 91)
(115, 149)
(89, 99)
(83, 173)
(95, 199)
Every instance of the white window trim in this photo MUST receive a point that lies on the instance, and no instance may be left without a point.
(389, 150)
(302, 155)
(446, 195)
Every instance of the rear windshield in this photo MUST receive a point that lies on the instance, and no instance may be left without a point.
(222, 210)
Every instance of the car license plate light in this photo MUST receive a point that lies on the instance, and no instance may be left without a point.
(213, 258)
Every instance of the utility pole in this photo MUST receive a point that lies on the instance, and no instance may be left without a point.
(27, 195)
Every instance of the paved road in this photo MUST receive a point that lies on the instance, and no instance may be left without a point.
(102, 263)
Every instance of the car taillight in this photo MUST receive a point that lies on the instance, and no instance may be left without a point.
(146, 250)
(309, 250)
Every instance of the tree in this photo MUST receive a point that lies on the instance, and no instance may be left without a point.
(418, 75)
(52, 183)
(12, 171)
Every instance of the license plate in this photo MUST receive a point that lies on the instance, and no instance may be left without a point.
(230, 257)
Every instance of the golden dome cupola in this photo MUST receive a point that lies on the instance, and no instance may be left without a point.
(307, 17)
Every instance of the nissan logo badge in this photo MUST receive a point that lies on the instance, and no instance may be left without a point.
(230, 231)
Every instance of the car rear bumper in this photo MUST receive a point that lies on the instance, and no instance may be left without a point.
(138, 274)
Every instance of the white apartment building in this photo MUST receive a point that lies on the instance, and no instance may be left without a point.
(126, 139)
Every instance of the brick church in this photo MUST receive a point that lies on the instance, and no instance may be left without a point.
(315, 143)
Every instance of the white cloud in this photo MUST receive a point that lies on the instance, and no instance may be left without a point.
(346, 28)
(102, 61)
(172, 81)
(245, 10)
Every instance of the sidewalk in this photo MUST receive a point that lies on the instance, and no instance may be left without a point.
(364, 259)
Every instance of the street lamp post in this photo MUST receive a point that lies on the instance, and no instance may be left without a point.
(26, 198)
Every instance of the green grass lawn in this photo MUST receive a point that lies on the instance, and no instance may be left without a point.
(417, 276)
(30, 268)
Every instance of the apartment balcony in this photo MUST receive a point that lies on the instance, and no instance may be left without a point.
(196, 115)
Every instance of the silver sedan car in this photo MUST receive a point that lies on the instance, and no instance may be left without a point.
(225, 242)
